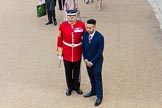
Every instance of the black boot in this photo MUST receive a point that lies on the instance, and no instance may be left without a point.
(54, 21)
(49, 22)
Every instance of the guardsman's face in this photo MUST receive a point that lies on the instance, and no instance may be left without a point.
(71, 19)
(90, 28)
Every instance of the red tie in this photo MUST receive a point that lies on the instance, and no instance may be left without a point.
(90, 38)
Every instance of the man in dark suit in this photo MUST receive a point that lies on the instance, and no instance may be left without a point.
(93, 46)
(50, 5)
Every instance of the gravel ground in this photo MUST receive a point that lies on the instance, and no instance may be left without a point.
(132, 71)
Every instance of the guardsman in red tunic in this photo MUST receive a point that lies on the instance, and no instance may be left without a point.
(69, 47)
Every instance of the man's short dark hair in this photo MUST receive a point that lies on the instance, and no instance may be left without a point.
(91, 21)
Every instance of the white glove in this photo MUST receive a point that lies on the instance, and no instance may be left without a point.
(60, 57)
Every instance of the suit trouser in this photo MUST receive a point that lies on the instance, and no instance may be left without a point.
(50, 5)
(61, 4)
(72, 72)
(95, 75)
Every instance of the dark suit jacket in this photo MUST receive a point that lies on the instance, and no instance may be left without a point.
(93, 51)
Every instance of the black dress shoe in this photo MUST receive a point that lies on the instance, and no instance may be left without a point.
(68, 92)
(50, 22)
(98, 101)
(89, 94)
(55, 23)
(79, 91)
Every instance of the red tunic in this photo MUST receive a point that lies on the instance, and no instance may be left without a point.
(69, 40)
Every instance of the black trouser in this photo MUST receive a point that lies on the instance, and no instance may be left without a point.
(72, 72)
(50, 5)
(61, 4)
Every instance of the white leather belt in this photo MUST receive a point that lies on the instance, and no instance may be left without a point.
(72, 45)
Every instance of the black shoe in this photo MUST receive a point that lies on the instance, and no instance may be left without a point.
(79, 91)
(68, 92)
(98, 101)
(50, 22)
(55, 22)
(89, 94)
